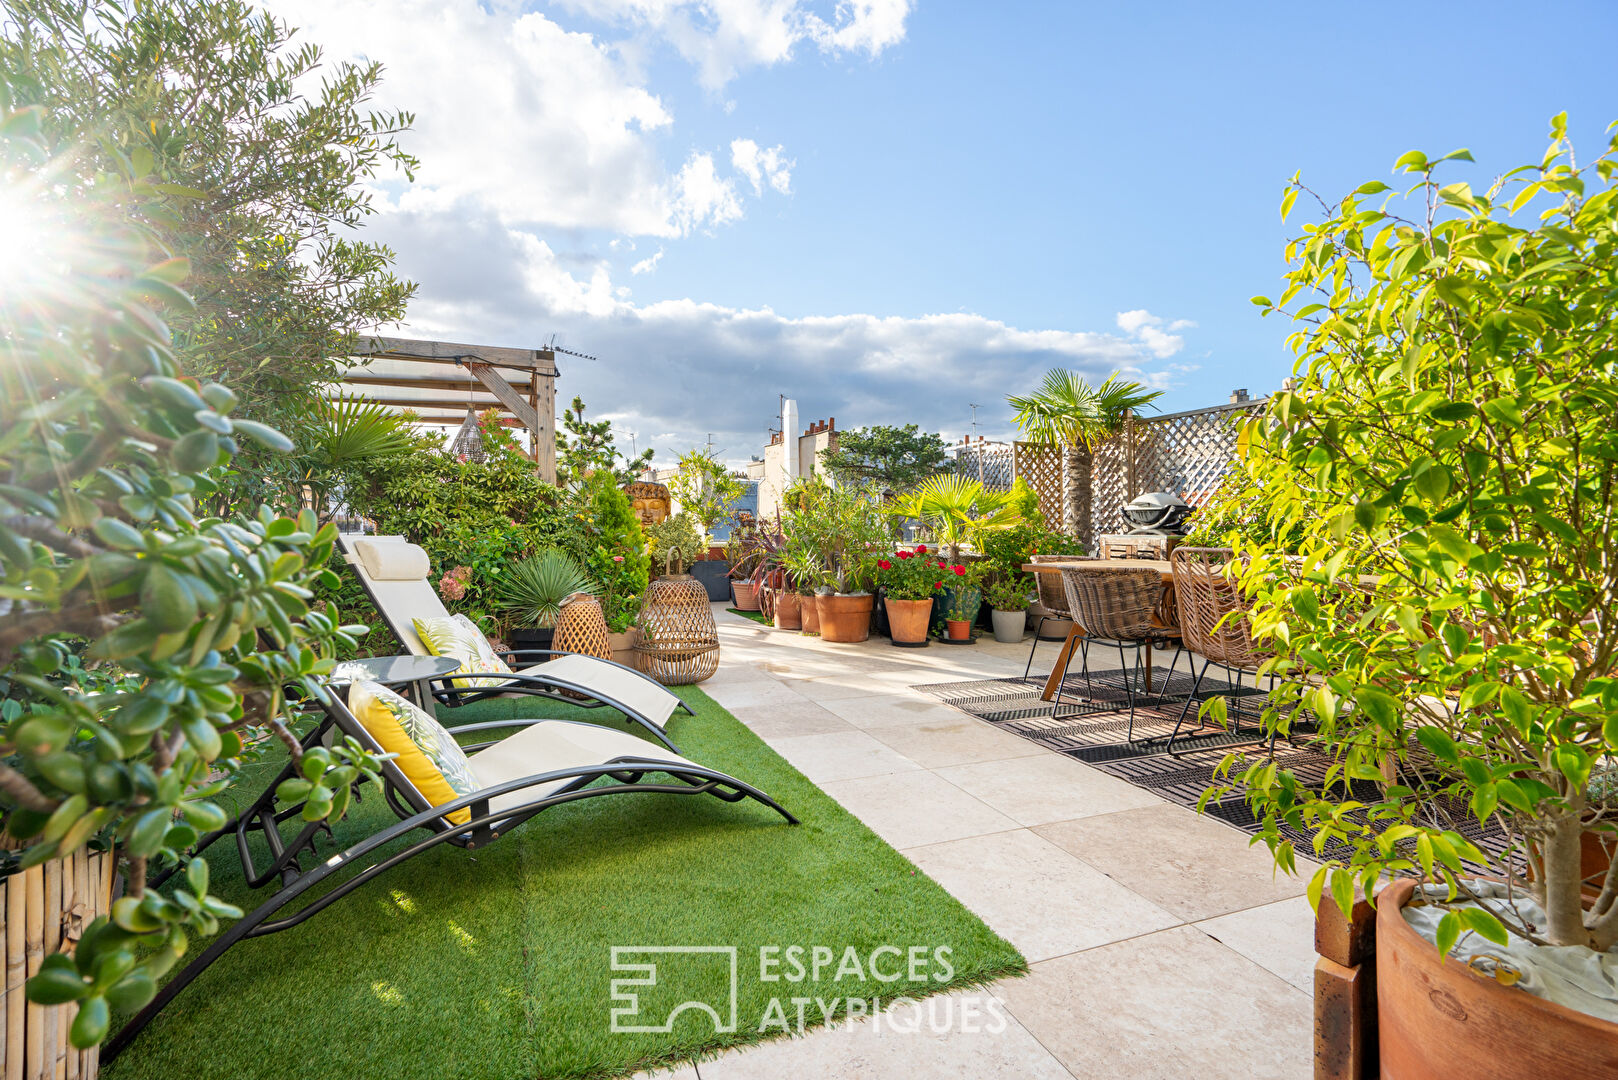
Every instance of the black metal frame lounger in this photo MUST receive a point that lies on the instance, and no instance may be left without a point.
(495, 810)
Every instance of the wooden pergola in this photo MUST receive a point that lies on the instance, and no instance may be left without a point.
(440, 380)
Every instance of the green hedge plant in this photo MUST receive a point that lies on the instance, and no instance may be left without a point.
(1448, 460)
(196, 625)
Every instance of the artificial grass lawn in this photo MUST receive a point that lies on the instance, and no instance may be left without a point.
(756, 616)
(496, 963)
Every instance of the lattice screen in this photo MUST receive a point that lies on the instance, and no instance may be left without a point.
(990, 462)
(1187, 453)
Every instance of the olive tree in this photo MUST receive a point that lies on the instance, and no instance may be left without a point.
(1446, 462)
(139, 641)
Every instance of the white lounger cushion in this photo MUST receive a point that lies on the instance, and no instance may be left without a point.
(607, 679)
(557, 744)
(392, 560)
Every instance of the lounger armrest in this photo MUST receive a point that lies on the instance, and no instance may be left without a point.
(509, 655)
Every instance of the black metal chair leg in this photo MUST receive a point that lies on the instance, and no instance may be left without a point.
(1039, 628)
(1196, 687)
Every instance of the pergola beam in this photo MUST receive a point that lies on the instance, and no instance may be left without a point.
(542, 361)
(418, 405)
(404, 381)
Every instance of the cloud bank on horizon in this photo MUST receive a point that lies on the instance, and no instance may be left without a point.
(536, 140)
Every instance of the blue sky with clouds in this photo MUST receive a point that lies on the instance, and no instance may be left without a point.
(889, 210)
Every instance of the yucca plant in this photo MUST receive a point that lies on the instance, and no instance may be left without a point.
(532, 594)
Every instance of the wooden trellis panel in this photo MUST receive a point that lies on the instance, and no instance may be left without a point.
(1041, 466)
(993, 463)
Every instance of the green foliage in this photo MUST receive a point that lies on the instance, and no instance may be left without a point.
(894, 459)
(1238, 512)
(910, 575)
(584, 446)
(1450, 435)
(1007, 593)
(201, 623)
(254, 168)
(1024, 501)
(532, 590)
(956, 509)
(705, 488)
(673, 543)
(844, 526)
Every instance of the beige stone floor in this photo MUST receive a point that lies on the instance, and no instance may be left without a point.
(1160, 943)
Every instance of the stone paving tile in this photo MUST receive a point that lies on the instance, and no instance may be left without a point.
(878, 710)
(840, 756)
(777, 721)
(1279, 938)
(908, 809)
(1046, 788)
(967, 1035)
(1165, 1006)
(936, 742)
(1178, 859)
(1035, 895)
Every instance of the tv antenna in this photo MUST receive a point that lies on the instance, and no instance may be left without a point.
(555, 348)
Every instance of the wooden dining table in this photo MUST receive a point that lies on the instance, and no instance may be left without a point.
(1167, 614)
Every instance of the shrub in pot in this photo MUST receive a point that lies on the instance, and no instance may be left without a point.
(965, 599)
(844, 526)
(1007, 598)
(1446, 464)
(673, 544)
(531, 595)
(909, 584)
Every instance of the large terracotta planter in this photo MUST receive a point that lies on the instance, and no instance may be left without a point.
(809, 613)
(788, 610)
(1437, 1020)
(845, 618)
(907, 620)
(746, 595)
(623, 647)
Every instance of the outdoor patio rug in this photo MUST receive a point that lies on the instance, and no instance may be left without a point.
(497, 964)
(1093, 726)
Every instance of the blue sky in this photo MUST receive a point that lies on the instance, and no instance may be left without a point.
(932, 203)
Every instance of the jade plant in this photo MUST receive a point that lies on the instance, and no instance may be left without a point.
(140, 642)
(1441, 559)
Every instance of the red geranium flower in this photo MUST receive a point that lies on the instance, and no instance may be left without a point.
(904, 554)
(938, 584)
(942, 564)
(960, 571)
(884, 564)
(921, 549)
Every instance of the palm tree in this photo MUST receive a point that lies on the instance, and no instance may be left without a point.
(957, 509)
(1067, 411)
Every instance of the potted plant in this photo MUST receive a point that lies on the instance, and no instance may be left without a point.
(845, 524)
(804, 572)
(1007, 597)
(909, 582)
(673, 544)
(957, 510)
(1445, 468)
(531, 595)
(706, 489)
(965, 599)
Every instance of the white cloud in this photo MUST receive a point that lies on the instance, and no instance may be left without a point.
(546, 126)
(761, 166)
(648, 264)
(722, 38)
(1154, 333)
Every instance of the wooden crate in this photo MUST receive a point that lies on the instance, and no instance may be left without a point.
(44, 910)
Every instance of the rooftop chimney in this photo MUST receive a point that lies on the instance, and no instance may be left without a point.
(1238, 396)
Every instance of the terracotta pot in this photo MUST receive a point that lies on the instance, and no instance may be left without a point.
(809, 613)
(959, 629)
(746, 595)
(623, 647)
(907, 619)
(1437, 1020)
(788, 611)
(845, 618)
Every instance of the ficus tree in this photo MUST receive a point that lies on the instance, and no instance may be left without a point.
(895, 459)
(705, 487)
(1444, 468)
(139, 640)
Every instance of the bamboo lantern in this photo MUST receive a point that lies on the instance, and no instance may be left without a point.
(43, 910)
(582, 628)
(679, 643)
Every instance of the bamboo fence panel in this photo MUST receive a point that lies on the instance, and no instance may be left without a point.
(45, 909)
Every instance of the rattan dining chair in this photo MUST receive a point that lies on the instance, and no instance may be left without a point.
(1053, 598)
(1117, 607)
(1213, 621)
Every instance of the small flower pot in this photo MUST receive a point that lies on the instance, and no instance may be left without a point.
(845, 618)
(809, 613)
(1008, 626)
(788, 611)
(958, 629)
(746, 595)
(907, 621)
(623, 647)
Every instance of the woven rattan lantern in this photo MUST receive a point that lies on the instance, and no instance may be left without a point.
(581, 628)
(679, 643)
